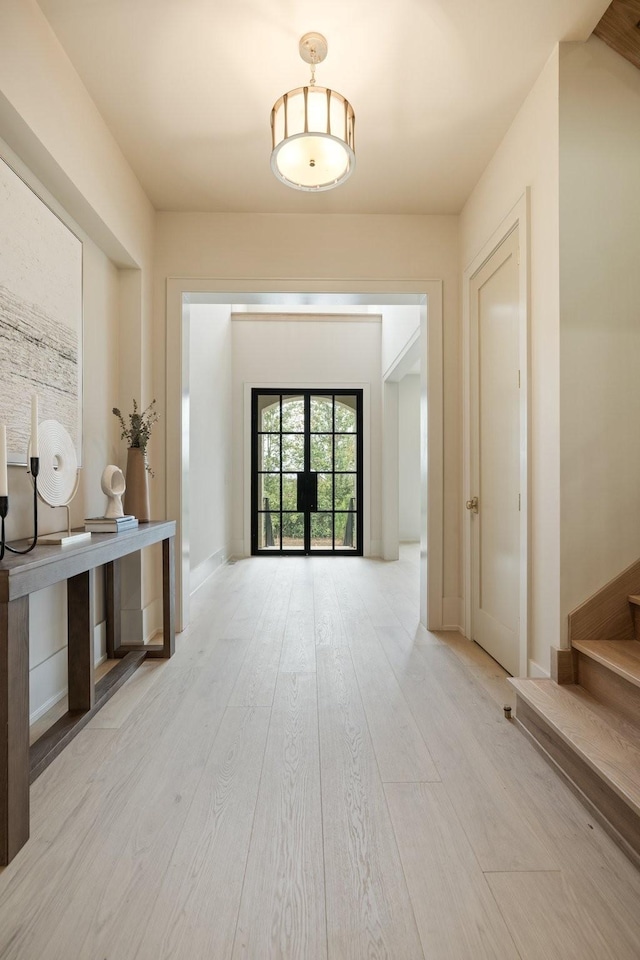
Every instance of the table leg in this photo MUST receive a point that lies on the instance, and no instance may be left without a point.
(168, 597)
(14, 727)
(113, 601)
(80, 652)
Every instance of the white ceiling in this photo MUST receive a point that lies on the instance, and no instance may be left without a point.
(187, 87)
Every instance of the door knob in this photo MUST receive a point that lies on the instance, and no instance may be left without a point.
(472, 504)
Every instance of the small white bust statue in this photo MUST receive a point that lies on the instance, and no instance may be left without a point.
(113, 486)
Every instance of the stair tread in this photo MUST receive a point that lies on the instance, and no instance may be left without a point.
(635, 598)
(621, 656)
(599, 738)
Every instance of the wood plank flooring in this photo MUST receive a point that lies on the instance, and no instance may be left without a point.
(313, 776)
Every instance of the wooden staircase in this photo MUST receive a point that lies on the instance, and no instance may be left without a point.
(587, 719)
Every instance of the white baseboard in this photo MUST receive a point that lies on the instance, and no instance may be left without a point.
(47, 705)
(536, 671)
(47, 683)
(207, 568)
(452, 614)
(152, 619)
(141, 626)
(132, 626)
(100, 643)
(236, 549)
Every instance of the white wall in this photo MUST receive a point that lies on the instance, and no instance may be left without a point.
(600, 317)
(409, 457)
(54, 136)
(400, 326)
(210, 448)
(528, 156)
(307, 354)
(50, 120)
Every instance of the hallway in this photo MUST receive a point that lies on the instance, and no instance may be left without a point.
(313, 776)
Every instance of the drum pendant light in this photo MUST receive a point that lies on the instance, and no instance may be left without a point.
(312, 130)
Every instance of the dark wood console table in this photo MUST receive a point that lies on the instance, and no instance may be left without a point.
(22, 575)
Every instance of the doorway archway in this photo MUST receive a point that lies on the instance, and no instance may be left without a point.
(181, 292)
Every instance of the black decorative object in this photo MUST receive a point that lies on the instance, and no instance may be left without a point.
(34, 469)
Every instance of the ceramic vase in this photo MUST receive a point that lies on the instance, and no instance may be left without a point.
(136, 496)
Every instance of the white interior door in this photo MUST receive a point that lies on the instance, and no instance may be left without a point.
(495, 466)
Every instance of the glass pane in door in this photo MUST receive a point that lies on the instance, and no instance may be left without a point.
(293, 451)
(269, 531)
(289, 491)
(346, 414)
(345, 531)
(345, 487)
(321, 531)
(269, 452)
(269, 414)
(293, 531)
(321, 418)
(321, 452)
(345, 453)
(269, 491)
(325, 491)
(293, 419)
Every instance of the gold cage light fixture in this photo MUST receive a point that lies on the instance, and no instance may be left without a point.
(312, 130)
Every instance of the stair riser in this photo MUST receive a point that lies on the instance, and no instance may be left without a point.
(603, 803)
(610, 689)
(607, 614)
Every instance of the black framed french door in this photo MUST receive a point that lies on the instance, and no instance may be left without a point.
(306, 472)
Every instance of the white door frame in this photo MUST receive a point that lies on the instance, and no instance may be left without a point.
(235, 290)
(519, 217)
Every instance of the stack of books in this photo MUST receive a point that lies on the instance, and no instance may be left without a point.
(110, 524)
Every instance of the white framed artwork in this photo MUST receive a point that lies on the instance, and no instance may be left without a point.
(40, 316)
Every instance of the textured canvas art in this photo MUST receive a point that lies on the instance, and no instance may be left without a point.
(40, 316)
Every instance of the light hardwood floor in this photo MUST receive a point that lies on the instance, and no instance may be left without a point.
(313, 777)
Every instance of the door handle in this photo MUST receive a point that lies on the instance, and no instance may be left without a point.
(472, 504)
(307, 492)
(312, 491)
(301, 492)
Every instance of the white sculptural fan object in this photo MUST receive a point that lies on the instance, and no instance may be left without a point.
(58, 478)
(113, 486)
